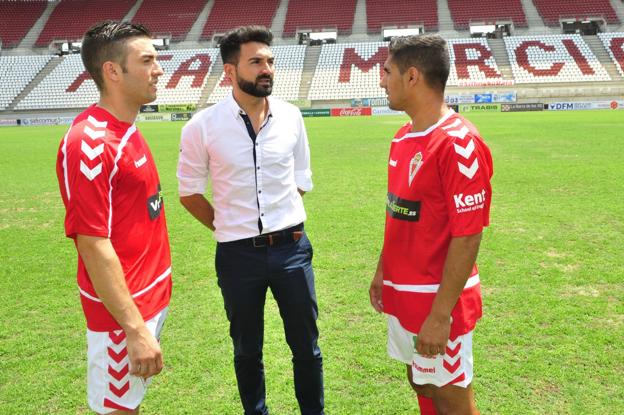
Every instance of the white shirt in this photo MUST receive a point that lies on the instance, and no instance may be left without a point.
(215, 143)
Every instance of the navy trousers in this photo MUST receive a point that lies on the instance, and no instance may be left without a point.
(244, 274)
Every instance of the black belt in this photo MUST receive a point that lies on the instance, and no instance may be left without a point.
(288, 235)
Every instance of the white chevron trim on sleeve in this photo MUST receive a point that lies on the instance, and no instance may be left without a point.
(94, 152)
(469, 172)
(94, 135)
(96, 123)
(461, 133)
(454, 124)
(465, 152)
(90, 173)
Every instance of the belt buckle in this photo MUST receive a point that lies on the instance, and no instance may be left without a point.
(259, 241)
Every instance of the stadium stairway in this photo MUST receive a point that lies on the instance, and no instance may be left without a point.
(277, 25)
(196, 30)
(445, 20)
(309, 66)
(33, 34)
(502, 58)
(133, 10)
(618, 6)
(534, 20)
(597, 47)
(53, 63)
(211, 82)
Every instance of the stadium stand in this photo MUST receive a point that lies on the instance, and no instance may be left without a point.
(288, 68)
(472, 62)
(16, 72)
(71, 18)
(553, 58)
(354, 70)
(69, 86)
(614, 44)
(17, 19)
(227, 14)
(486, 11)
(320, 14)
(401, 14)
(349, 70)
(552, 10)
(176, 21)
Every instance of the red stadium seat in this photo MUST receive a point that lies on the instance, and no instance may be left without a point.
(402, 13)
(320, 14)
(163, 17)
(552, 10)
(71, 18)
(486, 11)
(228, 14)
(17, 19)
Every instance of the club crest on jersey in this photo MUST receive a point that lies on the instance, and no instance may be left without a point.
(415, 164)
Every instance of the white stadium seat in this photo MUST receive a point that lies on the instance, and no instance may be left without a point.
(16, 72)
(614, 44)
(553, 58)
(186, 72)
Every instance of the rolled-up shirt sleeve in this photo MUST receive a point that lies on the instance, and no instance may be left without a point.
(193, 162)
(303, 173)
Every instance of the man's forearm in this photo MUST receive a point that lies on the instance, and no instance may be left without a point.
(109, 282)
(200, 208)
(461, 257)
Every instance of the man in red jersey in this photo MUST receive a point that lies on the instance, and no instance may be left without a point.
(438, 203)
(115, 215)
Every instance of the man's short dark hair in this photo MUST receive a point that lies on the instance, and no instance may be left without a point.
(230, 44)
(427, 53)
(106, 41)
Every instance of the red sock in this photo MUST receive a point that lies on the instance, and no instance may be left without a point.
(426, 405)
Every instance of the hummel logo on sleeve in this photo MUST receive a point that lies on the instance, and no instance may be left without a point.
(469, 172)
(90, 173)
(461, 133)
(393, 163)
(94, 135)
(91, 152)
(465, 152)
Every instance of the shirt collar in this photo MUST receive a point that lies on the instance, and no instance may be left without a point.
(237, 111)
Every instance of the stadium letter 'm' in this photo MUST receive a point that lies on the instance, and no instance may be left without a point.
(462, 61)
(617, 48)
(351, 57)
(522, 57)
(202, 63)
(73, 87)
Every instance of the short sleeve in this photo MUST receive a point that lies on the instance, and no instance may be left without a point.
(466, 170)
(303, 172)
(88, 166)
(193, 162)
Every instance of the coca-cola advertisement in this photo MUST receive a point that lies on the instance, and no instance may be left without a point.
(351, 112)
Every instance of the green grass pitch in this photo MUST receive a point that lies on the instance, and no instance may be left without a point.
(550, 342)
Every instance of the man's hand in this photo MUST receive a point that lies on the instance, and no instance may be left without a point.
(144, 354)
(200, 208)
(433, 336)
(376, 288)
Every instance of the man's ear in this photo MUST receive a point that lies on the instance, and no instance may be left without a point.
(230, 71)
(413, 75)
(111, 71)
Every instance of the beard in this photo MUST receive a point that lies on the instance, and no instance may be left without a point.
(255, 88)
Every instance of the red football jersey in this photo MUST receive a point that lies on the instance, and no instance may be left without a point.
(110, 188)
(438, 188)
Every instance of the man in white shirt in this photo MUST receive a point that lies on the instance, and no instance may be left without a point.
(255, 150)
